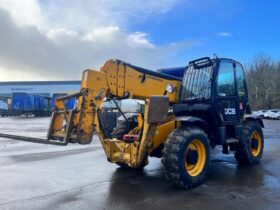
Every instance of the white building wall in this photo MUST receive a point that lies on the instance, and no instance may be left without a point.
(7, 89)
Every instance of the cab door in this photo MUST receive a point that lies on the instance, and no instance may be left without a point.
(226, 93)
(242, 92)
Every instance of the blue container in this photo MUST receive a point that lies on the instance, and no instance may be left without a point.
(175, 72)
(18, 101)
(23, 102)
(69, 104)
(41, 103)
(36, 103)
(46, 105)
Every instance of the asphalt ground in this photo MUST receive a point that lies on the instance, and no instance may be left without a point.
(35, 176)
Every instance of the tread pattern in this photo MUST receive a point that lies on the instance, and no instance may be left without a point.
(173, 149)
(243, 152)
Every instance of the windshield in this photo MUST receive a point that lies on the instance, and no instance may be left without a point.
(197, 83)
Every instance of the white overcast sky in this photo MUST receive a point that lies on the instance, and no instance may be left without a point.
(56, 40)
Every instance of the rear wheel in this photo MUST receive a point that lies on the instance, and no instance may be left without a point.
(250, 148)
(186, 157)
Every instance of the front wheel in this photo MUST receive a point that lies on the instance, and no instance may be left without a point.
(250, 147)
(186, 157)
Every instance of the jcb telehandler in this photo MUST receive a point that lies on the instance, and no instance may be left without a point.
(183, 117)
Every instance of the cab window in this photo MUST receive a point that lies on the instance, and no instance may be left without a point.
(225, 83)
(240, 79)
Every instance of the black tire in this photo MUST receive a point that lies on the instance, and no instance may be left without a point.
(176, 157)
(249, 149)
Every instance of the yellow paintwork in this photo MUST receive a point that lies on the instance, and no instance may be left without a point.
(162, 132)
(138, 128)
(196, 169)
(256, 136)
(115, 79)
(131, 80)
(94, 80)
(132, 154)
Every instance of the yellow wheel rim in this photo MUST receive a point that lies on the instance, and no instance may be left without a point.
(195, 158)
(256, 143)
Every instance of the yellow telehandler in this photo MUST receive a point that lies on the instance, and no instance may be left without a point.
(182, 119)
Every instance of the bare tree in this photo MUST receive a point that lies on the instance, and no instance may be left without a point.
(263, 80)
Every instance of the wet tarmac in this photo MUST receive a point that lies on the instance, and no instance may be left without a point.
(34, 176)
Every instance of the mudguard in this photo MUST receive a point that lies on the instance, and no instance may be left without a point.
(186, 120)
(250, 117)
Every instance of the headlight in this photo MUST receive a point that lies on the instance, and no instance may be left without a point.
(169, 88)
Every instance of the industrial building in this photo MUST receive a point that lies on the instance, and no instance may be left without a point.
(33, 97)
(45, 88)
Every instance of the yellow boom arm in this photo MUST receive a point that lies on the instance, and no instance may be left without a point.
(116, 79)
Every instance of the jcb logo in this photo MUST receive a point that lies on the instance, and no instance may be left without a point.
(230, 111)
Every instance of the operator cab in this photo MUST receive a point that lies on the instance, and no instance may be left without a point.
(214, 92)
